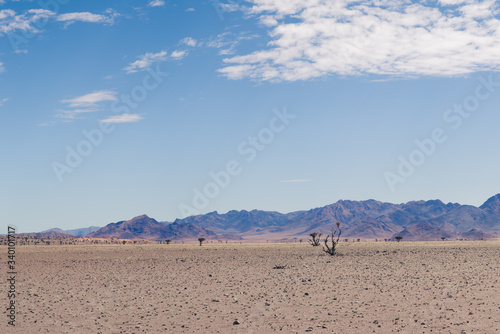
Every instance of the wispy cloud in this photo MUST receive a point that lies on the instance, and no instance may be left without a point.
(311, 39)
(146, 60)
(2, 101)
(91, 100)
(11, 22)
(190, 10)
(178, 54)
(73, 114)
(189, 41)
(29, 20)
(156, 3)
(226, 42)
(125, 118)
(84, 104)
(293, 181)
(107, 18)
(2, 68)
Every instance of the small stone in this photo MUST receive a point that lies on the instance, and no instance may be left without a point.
(236, 322)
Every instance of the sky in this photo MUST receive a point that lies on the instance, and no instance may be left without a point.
(113, 109)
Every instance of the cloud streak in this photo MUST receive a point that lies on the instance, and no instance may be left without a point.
(189, 41)
(91, 100)
(145, 61)
(148, 59)
(107, 18)
(30, 20)
(11, 22)
(71, 115)
(156, 3)
(84, 104)
(125, 118)
(316, 38)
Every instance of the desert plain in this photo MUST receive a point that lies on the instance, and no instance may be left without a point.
(370, 287)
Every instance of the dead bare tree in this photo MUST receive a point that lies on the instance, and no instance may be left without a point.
(315, 238)
(332, 250)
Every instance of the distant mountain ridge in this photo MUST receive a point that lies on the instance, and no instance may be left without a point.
(143, 227)
(79, 232)
(370, 219)
(47, 234)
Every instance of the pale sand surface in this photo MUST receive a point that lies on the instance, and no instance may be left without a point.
(407, 287)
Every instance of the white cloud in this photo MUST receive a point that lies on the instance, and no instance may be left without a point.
(84, 104)
(73, 114)
(2, 101)
(107, 18)
(156, 3)
(178, 54)
(227, 42)
(11, 22)
(125, 118)
(2, 68)
(190, 10)
(228, 7)
(33, 20)
(189, 41)
(92, 99)
(315, 38)
(146, 60)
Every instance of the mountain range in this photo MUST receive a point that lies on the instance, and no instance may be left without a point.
(79, 232)
(60, 233)
(367, 220)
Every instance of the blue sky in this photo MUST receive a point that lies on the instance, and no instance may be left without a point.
(112, 109)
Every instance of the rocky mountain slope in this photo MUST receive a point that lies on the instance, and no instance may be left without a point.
(416, 220)
(143, 227)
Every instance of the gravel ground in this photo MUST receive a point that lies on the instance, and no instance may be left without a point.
(383, 287)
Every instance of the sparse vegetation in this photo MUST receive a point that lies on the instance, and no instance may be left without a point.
(443, 238)
(168, 241)
(315, 238)
(220, 279)
(336, 232)
(201, 240)
(279, 267)
(398, 238)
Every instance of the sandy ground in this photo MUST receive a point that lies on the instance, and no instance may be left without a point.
(407, 287)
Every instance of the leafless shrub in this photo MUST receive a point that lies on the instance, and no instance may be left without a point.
(315, 241)
(332, 249)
